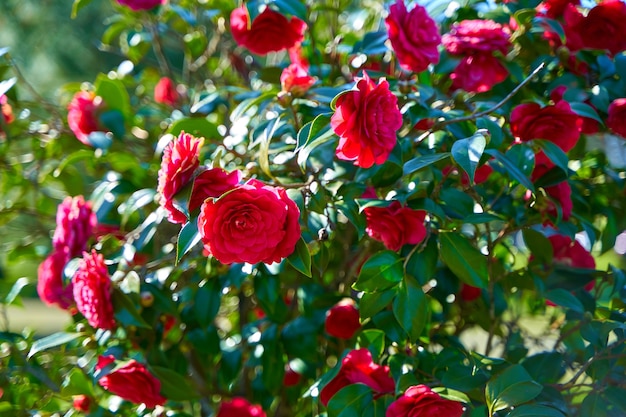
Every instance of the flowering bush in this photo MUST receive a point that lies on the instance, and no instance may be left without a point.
(315, 207)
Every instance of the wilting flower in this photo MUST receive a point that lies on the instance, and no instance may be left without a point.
(165, 92)
(179, 163)
(366, 121)
(92, 291)
(83, 113)
(414, 36)
(358, 367)
(270, 31)
(395, 225)
(342, 320)
(132, 382)
(253, 223)
(75, 226)
(421, 401)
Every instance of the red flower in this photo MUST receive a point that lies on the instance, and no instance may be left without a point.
(50, 286)
(589, 125)
(554, 8)
(137, 5)
(81, 403)
(165, 92)
(602, 28)
(292, 378)
(253, 223)
(469, 292)
(414, 36)
(617, 117)
(560, 193)
(395, 225)
(342, 320)
(295, 79)
(180, 160)
(558, 124)
(470, 37)
(478, 73)
(358, 367)
(75, 226)
(569, 252)
(132, 382)
(82, 115)
(6, 112)
(269, 31)
(366, 121)
(212, 182)
(92, 291)
(240, 407)
(421, 401)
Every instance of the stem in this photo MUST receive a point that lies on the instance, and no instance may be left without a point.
(157, 45)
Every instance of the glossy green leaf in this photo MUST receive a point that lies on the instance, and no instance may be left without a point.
(6, 85)
(565, 299)
(174, 386)
(54, 340)
(313, 130)
(126, 311)
(511, 169)
(300, 259)
(372, 302)
(535, 410)
(585, 110)
(467, 153)
(207, 302)
(510, 388)
(16, 289)
(411, 309)
(421, 162)
(465, 261)
(539, 246)
(373, 340)
(383, 270)
(187, 239)
(196, 126)
(114, 94)
(76, 382)
(552, 151)
(422, 265)
(350, 401)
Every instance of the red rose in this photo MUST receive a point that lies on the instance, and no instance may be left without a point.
(414, 36)
(131, 381)
(421, 401)
(342, 320)
(295, 79)
(141, 4)
(569, 252)
(617, 117)
(50, 286)
(358, 367)
(395, 225)
(478, 73)
(253, 223)
(75, 226)
(366, 121)
(240, 407)
(92, 291)
(82, 115)
(469, 292)
(81, 403)
(602, 28)
(180, 160)
(165, 92)
(554, 9)
(470, 37)
(558, 124)
(270, 31)
(212, 182)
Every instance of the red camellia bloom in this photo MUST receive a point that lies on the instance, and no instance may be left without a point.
(270, 31)
(75, 225)
(137, 5)
(469, 292)
(212, 182)
(81, 403)
(253, 223)
(6, 111)
(180, 161)
(165, 92)
(617, 117)
(414, 36)
(558, 124)
(554, 9)
(50, 286)
(342, 320)
(358, 367)
(240, 407)
(469, 37)
(82, 115)
(291, 378)
(366, 121)
(132, 382)
(569, 252)
(295, 79)
(589, 125)
(395, 225)
(92, 291)
(421, 401)
(603, 27)
(478, 73)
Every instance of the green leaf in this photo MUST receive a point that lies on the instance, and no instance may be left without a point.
(539, 245)
(196, 126)
(54, 340)
(372, 302)
(381, 271)
(510, 388)
(6, 85)
(545, 367)
(300, 259)
(125, 310)
(467, 152)
(265, 139)
(422, 266)
(267, 289)
(452, 395)
(511, 169)
(480, 218)
(553, 152)
(76, 382)
(350, 401)
(494, 130)
(187, 239)
(465, 261)
(313, 130)
(136, 201)
(174, 386)
(207, 302)
(565, 299)
(113, 94)
(540, 24)
(16, 289)
(533, 410)
(420, 162)
(585, 110)
(594, 405)
(411, 309)
(248, 103)
(291, 7)
(373, 340)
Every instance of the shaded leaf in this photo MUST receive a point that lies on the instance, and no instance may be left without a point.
(465, 261)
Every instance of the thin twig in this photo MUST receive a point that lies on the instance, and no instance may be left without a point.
(158, 49)
(490, 110)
